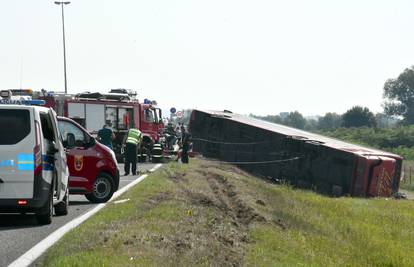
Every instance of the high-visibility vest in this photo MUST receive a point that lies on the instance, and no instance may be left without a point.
(134, 136)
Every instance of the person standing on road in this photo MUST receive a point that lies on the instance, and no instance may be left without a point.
(106, 135)
(185, 143)
(132, 140)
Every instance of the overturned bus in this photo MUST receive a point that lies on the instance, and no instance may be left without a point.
(305, 159)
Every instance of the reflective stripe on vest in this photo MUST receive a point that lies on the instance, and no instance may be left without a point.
(133, 136)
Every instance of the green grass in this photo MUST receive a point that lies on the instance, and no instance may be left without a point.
(211, 214)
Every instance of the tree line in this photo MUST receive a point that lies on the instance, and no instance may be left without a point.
(391, 130)
(356, 116)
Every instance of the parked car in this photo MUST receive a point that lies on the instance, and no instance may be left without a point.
(93, 169)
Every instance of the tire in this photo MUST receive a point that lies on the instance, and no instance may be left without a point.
(62, 207)
(44, 216)
(103, 189)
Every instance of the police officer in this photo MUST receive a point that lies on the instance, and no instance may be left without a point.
(106, 135)
(132, 140)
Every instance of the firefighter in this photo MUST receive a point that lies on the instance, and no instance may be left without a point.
(132, 141)
(185, 143)
(106, 135)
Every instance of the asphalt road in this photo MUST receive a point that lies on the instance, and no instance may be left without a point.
(19, 233)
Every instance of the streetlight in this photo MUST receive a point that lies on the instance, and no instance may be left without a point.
(64, 46)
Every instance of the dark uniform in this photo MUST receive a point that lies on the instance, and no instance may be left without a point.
(185, 142)
(132, 142)
(105, 136)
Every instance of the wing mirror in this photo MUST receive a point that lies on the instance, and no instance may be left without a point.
(70, 137)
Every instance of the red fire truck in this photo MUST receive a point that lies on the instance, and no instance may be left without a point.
(119, 109)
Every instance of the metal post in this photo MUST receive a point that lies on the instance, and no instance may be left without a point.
(64, 50)
(405, 174)
(64, 43)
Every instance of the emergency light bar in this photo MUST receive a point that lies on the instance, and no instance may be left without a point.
(22, 102)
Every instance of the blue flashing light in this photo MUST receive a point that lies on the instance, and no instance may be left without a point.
(22, 102)
(147, 101)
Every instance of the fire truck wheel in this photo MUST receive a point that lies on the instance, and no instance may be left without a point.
(62, 207)
(103, 189)
(44, 216)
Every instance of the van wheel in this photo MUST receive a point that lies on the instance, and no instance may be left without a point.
(103, 189)
(44, 216)
(62, 207)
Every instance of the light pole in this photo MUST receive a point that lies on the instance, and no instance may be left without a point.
(64, 45)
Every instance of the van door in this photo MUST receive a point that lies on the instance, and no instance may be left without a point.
(17, 142)
(60, 158)
(82, 158)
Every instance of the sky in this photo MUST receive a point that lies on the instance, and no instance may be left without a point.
(261, 57)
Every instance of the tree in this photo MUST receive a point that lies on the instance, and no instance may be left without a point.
(311, 124)
(330, 121)
(385, 121)
(399, 96)
(295, 119)
(358, 116)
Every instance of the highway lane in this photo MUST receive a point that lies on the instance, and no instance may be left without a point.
(19, 233)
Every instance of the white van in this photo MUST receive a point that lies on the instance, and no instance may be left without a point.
(33, 170)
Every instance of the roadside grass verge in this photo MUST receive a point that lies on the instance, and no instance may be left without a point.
(214, 214)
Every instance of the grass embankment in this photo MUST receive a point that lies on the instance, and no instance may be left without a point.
(208, 213)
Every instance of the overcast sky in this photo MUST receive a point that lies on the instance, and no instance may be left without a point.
(261, 57)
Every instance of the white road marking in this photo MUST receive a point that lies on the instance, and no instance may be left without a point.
(121, 201)
(156, 167)
(31, 255)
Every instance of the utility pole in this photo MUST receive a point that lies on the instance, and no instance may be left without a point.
(64, 43)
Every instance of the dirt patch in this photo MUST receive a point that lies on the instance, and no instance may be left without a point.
(229, 201)
(260, 202)
(198, 198)
(205, 188)
(163, 196)
(177, 177)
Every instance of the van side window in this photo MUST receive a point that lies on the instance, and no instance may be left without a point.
(47, 127)
(67, 127)
(15, 125)
(48, 133)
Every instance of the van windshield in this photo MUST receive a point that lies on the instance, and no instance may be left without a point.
(15, 125)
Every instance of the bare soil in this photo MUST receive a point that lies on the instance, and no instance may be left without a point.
(232, 215)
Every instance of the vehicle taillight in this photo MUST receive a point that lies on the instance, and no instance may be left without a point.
(22, 202)
(37, 151)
